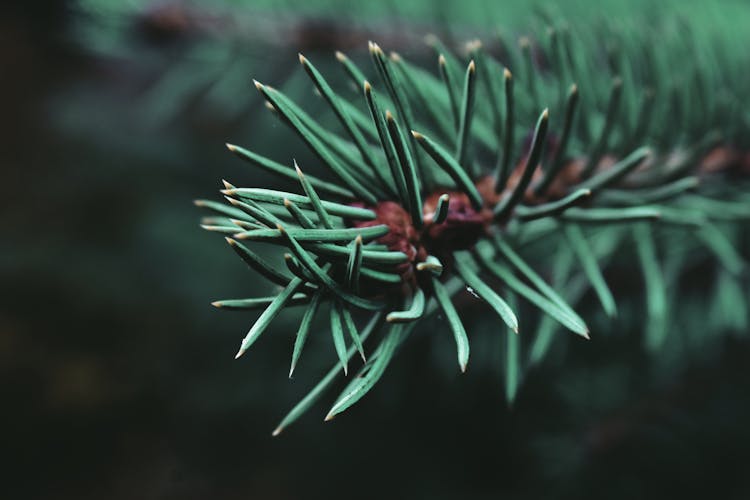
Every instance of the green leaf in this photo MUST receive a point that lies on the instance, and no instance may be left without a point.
(729, 307)
(431, 264)
(247, 225)
(459, 333)
(467, 112)
(452, 63)
(364, 122)
(545, 332)
(415, 311)
(309, 190)
(512, 365)
(386, 143)
(553, 208)
(337, 331)
(298, 215)
(330, 235)
(348, 322)
(463, 268)
(221, 208)
(609, 121)
(220, 229)
(334, 101)
(315, 145)
(656, 293)
(381, 276)
(562, 267)
(268, 315)
(610, 215)
(314, 395)
(221, 221)
(647, 196)
(441, 210)
(255, 211)
(712, 237)
(257, 263)
(296, 269)
(394, 87)
(645, 113)
(577, 240)
(360, 386)
(257, 302)
(506, 206)
(617, 171)
(451, 167)
(538, 282)
(304, 330)
(720, 210)
(504, 158)
(562, 315)
(487, 69)
(286, 172)
(278, 197)
(559, 158)
(335, 144)
(374, 257)
(409, 171)
(326, 280)
(452, 92)
(354, 265)
(355, 74)
(528, 64)
(427, 93)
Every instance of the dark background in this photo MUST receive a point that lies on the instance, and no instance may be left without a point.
(117, 376)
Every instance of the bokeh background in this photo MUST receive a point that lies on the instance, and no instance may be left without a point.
(117, 376)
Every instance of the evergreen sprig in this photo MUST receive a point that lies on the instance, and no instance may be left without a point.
(433, 192)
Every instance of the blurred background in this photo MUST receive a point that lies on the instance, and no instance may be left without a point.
(117, 376)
